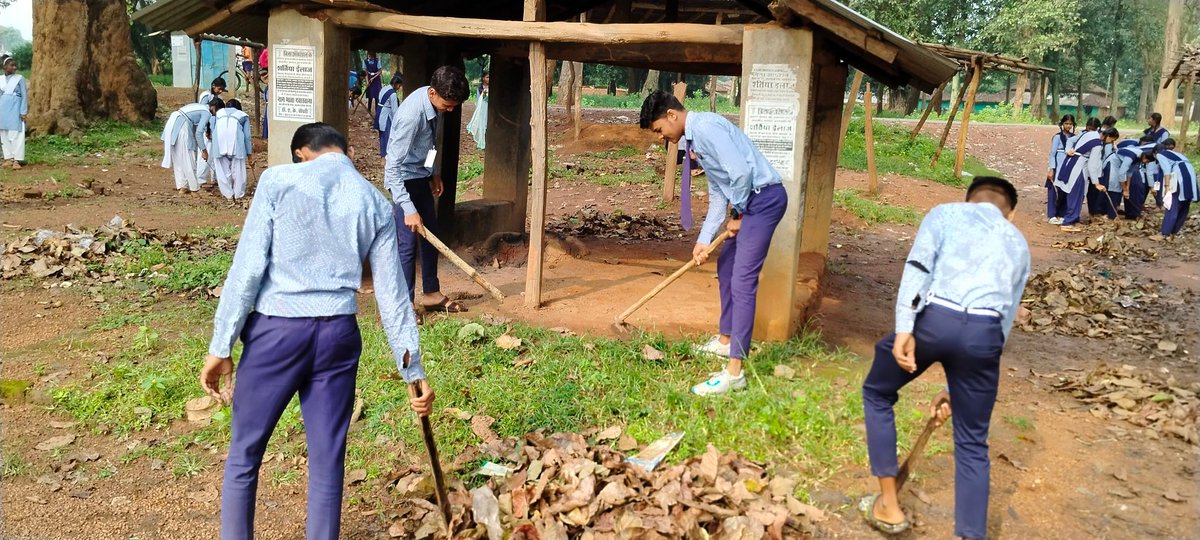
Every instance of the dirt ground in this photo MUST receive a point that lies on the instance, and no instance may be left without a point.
(1070, 475)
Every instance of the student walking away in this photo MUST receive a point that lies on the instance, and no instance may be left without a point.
(743, 186)
(477, 127)
(1056, 200)
(1179, 188)
(231, 146)
(1071, 174)
(374, 81)
(182, 138)
(290, 298)
(1155, 131)
(961, 288)
(215, 90)
(1125, 167)
(389, 101)
(1103, 178)
(411, 176)
(14, 108)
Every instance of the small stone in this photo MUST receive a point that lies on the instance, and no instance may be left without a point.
(784, 372)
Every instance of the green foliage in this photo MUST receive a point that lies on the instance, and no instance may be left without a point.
(1032, 28)
(65, 192)
(1021, 423)
(102, 137)
(175, 270)
(162, 79)
(1003, 114)
(188, 465)
(470, 169)
(872, 211)
(12, 464)
(895, 153)
(23, 54)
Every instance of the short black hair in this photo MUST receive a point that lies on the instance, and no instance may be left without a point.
(396, 79)
(1146, 139)
(234, 104)
(995, 181)
(1093, 123)
(317, 136)
(219, 82)
(450, 83)
(1109, 120)
(1110, 132)
(656, 106)
(1169, 142)
(216, 102)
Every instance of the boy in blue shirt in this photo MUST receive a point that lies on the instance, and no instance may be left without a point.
(742, 185)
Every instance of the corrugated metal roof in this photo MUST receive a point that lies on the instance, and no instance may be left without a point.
(178, 15)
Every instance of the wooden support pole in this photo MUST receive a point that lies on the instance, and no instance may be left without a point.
(949, 122)
(961, 154)
(577, 91)
(680, 91)
(1187, 112)
(196, 80)
(935, 97)
(872, 174)
(849, 110)
(535, 10)
(712, 79)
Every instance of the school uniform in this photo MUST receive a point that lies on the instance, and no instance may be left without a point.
(477, 127)
(182, 135)
(1159, 134)
(1071, 178)
(739, 176)
(405, 176)
(204, 168)
(371, 66)
(231, 146)
(1056, 202)
(960, 291)
(290, 297)
(1125, 165)
(1099, 202)
(1179, 189)
(389, 100)
(14, 103)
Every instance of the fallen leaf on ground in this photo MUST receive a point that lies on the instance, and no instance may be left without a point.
(612, 433)
(650, 353)
(1016, 464)
(56, 442)
(481, 426)
(355, 476)
(508, 342)
(784, 372)
(61, 425)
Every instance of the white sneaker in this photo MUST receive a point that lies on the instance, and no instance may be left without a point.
(720, 383)
(714, 347)
(1055, 221)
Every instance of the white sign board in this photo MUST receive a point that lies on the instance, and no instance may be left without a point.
(294, 83)
(772, 107)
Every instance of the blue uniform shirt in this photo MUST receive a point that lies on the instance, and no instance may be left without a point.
(309, 228)
(732, 163)
(413, 126)
(967, 253)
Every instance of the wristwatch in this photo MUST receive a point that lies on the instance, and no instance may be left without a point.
(734, 214)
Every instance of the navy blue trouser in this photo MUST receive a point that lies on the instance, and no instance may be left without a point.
(968, 347)
(1137, 198)
(740, 262)
(318, 358)
(421, 193)
(1095, 203)
(1074, 201)
(1052, 207)
(1107, 203)
(1175, 217)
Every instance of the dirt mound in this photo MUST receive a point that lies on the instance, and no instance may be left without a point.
(602, 137)
(511, 249)
(559, 486)
(589, 222)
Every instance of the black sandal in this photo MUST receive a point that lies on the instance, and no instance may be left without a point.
(446, 306)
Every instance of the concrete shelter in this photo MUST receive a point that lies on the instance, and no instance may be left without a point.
(792, 57)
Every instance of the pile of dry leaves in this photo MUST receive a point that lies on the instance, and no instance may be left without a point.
(81, 253)
(559, 486)
(588, 221)
(1115, 243)
(1093, 301)
(1144, 399)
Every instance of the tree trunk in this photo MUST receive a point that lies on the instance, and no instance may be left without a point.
(1018, 98)
(912, 99)
(1079, 110)
(1168, 97)
(84, 68)
(1143, 98)
(1055, 111)
(1114, 91)
(566, 86)
(651, 83)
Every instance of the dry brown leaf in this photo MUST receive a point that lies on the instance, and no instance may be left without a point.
(355, 476)
(54, 443)
(784, 372)
(481, 426)
(650, 353)
(609, 434)
(508, 342)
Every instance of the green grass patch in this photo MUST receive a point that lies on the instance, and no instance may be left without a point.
(470, 169)
(12, 464)
(162, 79)
(697, 101)
(175, 270)
(1021, 423)
(65, 192)
(872, 211)
(223, 231)
(98, 138)
(896, 153)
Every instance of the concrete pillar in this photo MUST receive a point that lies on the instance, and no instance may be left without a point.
(507, 160)
(791, 109)
(299, 97)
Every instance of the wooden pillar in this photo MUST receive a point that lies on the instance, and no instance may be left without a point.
(712, 79)
(196, 79)
(961, 154)
(1018, 101)
(869, 132)
(778, 118)
(577, 97)
(949, 122)
(935, 97)
(417, 52)
(448, 141)
(848, 111)
(535, 10)
(680, 91)
(310, 57)
(1187, 112)
(506, 162)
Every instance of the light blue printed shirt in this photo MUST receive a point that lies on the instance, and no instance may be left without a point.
(732, 163)
(969, 254)
(309, 228)
(413, 127)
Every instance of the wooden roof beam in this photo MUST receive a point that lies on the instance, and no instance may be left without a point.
(546, 32)
(868, 40)
(220, 16)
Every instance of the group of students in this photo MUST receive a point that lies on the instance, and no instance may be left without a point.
(209, 140)
(1117, 176)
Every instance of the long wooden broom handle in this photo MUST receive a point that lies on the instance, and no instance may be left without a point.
(461, 264)
(671, 278)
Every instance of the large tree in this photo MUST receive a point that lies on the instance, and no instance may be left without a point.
(84, 67)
